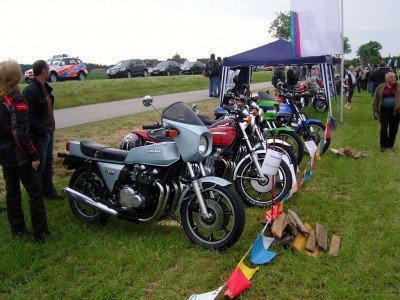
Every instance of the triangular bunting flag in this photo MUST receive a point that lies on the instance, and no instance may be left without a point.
(207, 296)
(236, 284)
(259, 253)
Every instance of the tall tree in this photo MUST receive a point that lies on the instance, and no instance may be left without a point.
(369, 52)
(280, 27)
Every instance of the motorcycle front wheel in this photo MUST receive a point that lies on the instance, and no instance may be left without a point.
(262, 191)
(88, 182)
(227, 220)
(295, 143)
(318, 132)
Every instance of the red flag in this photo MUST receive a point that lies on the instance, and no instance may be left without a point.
(236, 284)
(274, 212)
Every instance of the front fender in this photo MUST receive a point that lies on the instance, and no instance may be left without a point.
(243, 159)
(207, 179)
(308, 121)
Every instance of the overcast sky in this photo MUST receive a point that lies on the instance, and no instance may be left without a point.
(104, 31)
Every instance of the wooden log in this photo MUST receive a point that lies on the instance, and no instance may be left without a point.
(299, 242)
(284, 240)
(279, 225)
(310, 245)
(315, 253)
(335, 245)
(321, 236)
(299, 223)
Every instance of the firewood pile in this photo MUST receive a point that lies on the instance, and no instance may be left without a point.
(349, 152)
(288, 229)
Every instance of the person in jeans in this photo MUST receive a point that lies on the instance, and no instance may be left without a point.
(386, 107)
(42, 124)
(213, 72)
(350, 79)
(18, 156)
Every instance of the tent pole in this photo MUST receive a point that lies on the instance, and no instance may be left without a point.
(342, 67)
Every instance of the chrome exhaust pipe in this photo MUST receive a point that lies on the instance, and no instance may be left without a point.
(89, 201)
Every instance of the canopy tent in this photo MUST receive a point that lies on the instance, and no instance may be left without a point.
(278, 52)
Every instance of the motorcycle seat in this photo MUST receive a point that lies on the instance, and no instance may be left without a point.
(92, 149)
(207, 120)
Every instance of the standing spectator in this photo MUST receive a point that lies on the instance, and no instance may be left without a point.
(279, 75)
(42, 124)
(359, 74)
(212, 71)
(304, 72)
(220, 74)
(350, 80)
(18, 156)
(316, 72)
(371, 83)
(292, 77)
(378, 77)
(386, 107)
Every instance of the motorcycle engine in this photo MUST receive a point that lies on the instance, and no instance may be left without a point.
(129, 199)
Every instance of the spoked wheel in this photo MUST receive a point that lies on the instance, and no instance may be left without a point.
(295, 142)
(226, 222)
(259, 191)
(317, 134)
(320, 104)
(89, 183)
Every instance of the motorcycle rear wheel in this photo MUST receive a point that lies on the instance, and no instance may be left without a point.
(255, 191)
(88, 182)
(320, 104)
(227, 221)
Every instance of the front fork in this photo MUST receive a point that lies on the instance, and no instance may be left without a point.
(253, 155)
(197, 190)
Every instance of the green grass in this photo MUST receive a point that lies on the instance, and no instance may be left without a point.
(356, 199)
(73, 93)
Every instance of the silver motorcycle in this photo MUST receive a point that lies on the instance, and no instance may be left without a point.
(155, 182)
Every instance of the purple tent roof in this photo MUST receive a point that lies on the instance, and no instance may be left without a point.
(278, 52)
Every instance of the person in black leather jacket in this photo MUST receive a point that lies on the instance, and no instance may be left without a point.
(18, 156)
(42, 124)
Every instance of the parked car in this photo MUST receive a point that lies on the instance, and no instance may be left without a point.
(193, 67)
(268, 68)
(63, 67)
(128, 68)
(166, 68)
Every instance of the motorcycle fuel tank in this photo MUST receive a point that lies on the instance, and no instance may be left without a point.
(223, 132)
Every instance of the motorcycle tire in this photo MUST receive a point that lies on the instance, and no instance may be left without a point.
(256, 192)
(320, 105)
(88, 182)
(293, 139)
(318, 130)
(227, 212)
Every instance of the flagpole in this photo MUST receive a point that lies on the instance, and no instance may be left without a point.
(342, 65)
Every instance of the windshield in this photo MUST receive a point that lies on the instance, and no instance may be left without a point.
(162, 64)
(122, 63)
(179, 112)
(53, 62)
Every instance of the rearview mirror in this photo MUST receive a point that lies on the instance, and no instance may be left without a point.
(147, 100)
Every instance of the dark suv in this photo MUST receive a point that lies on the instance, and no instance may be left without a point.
(128, 68)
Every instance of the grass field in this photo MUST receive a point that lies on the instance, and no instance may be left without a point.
(356, 199)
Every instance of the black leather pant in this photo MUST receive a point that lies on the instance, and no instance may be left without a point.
(31, 181)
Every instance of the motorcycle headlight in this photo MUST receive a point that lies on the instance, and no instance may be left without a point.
(203, 145)
(261, 115)
(245, 113)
